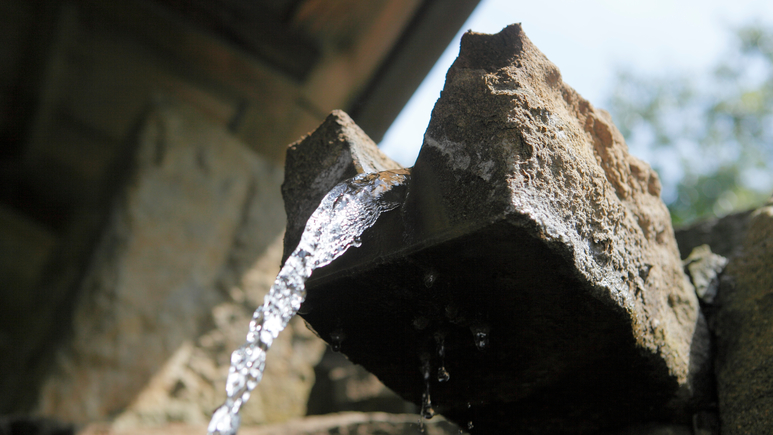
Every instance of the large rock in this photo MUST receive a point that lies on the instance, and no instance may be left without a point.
(533, 261)
(192, 245)
(744, 330)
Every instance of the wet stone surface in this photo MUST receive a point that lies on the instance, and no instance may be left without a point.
(535, 246)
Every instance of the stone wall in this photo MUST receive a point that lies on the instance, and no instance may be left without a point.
(192, 245)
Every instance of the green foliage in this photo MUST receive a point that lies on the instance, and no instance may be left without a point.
(709, 137)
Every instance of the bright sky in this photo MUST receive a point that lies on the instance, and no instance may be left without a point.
(588, 40)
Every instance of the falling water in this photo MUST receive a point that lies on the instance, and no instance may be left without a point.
(426, 402)
(344, 214)
(430, 277)
(442, 373)
(426, 411)
(480, 333)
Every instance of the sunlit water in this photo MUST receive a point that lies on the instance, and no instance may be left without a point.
(343, 215)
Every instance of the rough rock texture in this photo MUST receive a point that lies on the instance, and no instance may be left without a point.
(745, 332)
(337, 150)
(704, 267)
(193, 243)
(508, 130)
(533, 260)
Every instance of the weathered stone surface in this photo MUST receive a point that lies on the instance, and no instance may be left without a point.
(704, 267)
(527, 222)
(193, 244)
(745, 332)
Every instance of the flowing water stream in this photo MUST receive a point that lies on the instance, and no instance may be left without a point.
(344, 214)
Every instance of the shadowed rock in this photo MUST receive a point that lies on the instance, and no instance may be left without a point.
(744, 331)
(192, 245)
(724, 235)
(533, 261)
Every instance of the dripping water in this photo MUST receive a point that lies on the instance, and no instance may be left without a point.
(426, 411)
(344, 214)
(430, 277)
(420, 322)
(337, 337)
(426, 402)
(451, 311)
(480, 334)
(469, 423)
(442, 373)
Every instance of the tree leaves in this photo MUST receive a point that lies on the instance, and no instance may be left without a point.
(710, 135)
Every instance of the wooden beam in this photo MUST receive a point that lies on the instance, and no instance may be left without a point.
(424, 40)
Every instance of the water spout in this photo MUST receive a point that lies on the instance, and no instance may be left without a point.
(344, 214)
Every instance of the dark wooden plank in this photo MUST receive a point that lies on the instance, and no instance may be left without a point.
(255, 28)
(401, 73)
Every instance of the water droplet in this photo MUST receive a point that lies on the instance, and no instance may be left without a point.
(426, 403)
(480, 333)
(426, 406)
(442, 374)
(237, 356)
(469, 405)
(424, 358)
(420, 322)
(470, 425)
(224, 422)
(235, 383)
(430, 277)
(451, 311)
(337, 337)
